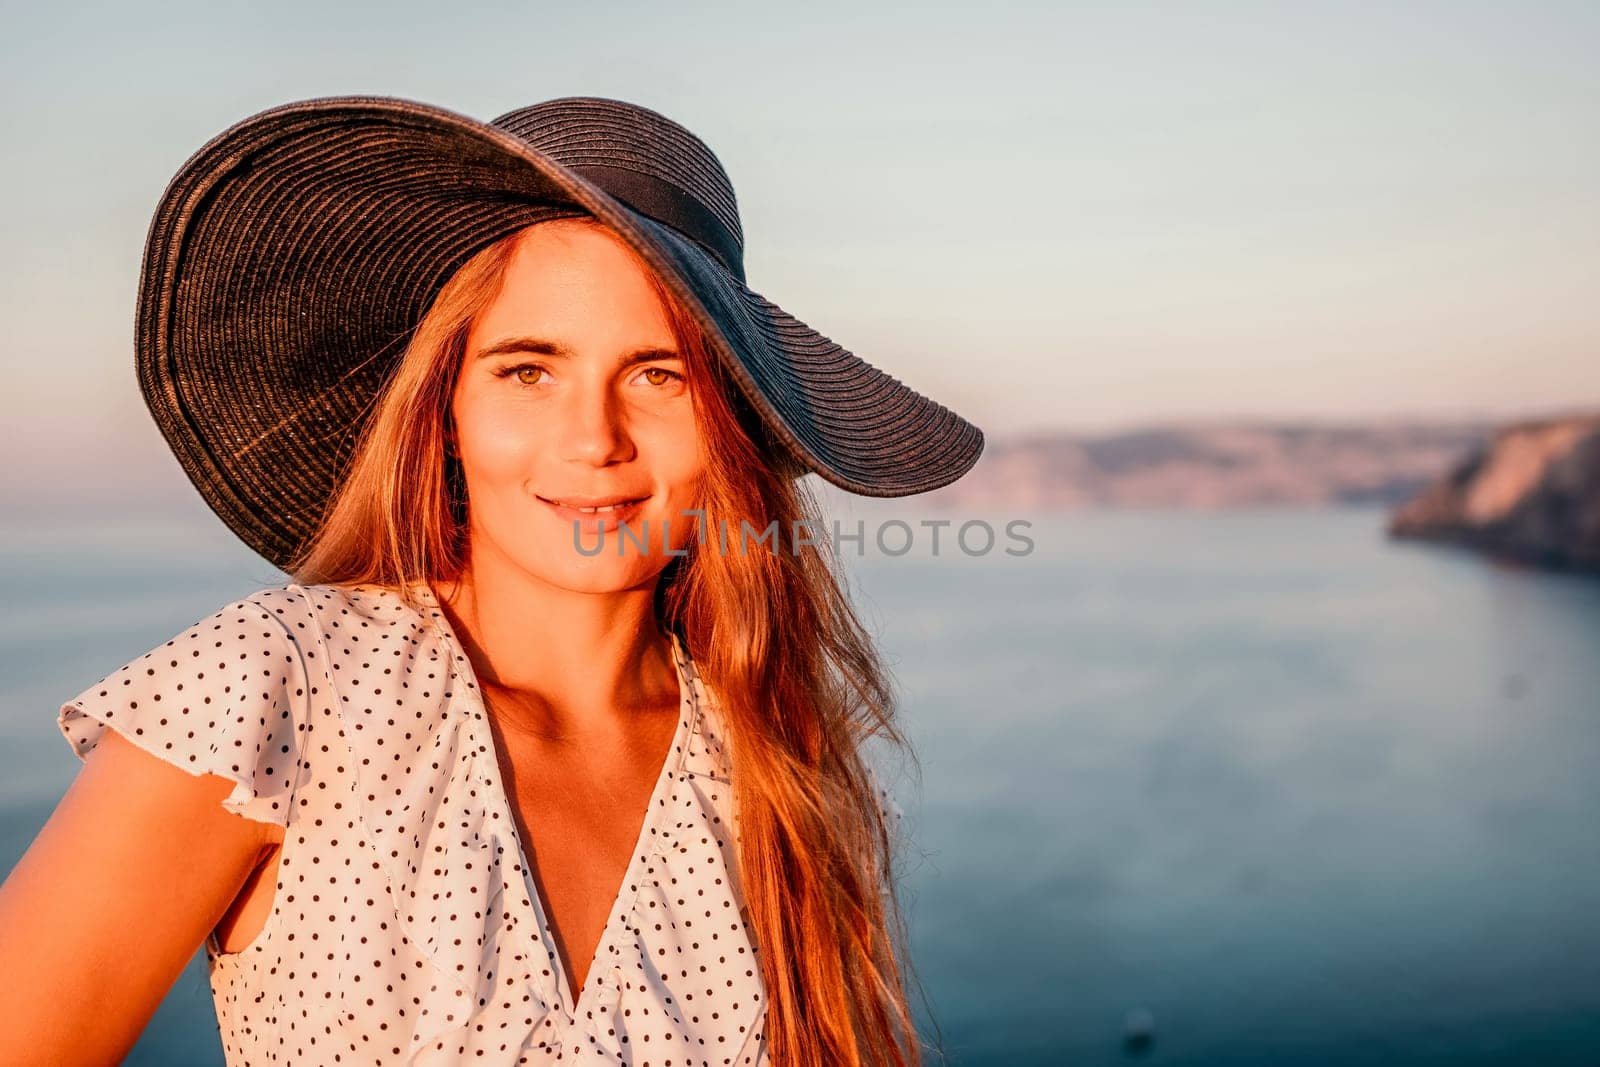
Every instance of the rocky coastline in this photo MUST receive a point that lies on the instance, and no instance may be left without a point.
(1530, 494)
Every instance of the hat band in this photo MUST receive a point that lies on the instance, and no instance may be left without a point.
(671, 206)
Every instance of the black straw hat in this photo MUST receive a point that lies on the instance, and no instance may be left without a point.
(292, 255)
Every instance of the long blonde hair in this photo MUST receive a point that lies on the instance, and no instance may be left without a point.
(799, 683)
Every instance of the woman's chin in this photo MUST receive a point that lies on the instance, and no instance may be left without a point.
(588, 571)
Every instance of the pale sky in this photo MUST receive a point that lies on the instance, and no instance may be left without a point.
(1053, 215)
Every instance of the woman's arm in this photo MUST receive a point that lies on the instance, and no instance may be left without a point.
(113, 898)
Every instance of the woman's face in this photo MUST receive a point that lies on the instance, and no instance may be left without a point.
(572, 392)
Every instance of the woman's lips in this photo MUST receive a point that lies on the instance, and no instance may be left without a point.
(594, 522)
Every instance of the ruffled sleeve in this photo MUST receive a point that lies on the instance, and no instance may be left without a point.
(229, 696)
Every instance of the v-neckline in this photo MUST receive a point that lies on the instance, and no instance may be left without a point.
(623, 901)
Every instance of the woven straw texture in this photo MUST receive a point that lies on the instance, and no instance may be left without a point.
(291, 256)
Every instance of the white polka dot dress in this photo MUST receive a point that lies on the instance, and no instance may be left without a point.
(406, 927)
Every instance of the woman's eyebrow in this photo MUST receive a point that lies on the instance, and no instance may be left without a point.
(551, 348)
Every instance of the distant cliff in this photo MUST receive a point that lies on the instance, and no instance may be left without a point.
(1217, 466)
(1531, 493)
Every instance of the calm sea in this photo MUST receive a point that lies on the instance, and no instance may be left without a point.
(1246, 788)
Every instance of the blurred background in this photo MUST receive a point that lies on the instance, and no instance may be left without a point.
(1281, 741)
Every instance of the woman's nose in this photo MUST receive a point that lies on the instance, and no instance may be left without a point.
(595, 431)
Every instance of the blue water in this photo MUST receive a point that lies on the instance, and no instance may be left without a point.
(1298, 794)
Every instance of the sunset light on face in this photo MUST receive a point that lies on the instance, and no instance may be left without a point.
(572, 396)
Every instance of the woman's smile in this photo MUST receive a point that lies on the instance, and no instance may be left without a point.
(593, 519)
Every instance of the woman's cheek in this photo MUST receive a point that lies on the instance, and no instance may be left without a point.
(506, 446)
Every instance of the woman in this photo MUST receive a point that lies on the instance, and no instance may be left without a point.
(520, 779)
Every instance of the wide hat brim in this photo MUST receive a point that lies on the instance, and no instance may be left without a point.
(291, 257)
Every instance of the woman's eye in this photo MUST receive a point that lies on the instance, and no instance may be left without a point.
(518, 370)
(671, 376)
